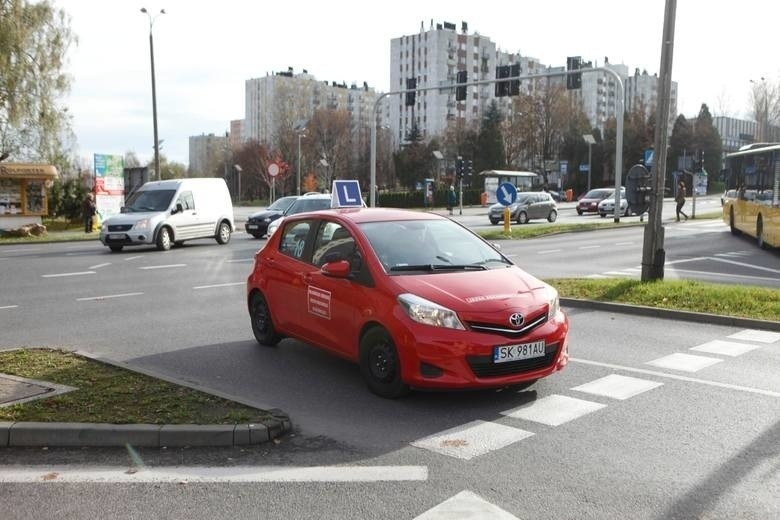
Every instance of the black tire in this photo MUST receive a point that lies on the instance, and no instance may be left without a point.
(734, 230)
(115, 249)
(223, 233)
(579, 212)
(164, 241)
(760, 233)
(522, 217)
(493, 221)
(262, 323)
(552, 216)
(626, 213)
(379, 364)
(602, 215)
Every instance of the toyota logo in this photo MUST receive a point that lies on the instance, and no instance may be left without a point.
(516, 320)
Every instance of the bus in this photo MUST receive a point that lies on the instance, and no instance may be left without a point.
(753, 207)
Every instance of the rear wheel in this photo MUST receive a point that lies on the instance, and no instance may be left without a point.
(552, 216)
(380, 365)
(579, 212)
(522, 217)
(223, 233)
(262, 324)
(164, 239)
(115, 249)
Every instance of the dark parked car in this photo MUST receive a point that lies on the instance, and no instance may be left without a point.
(257, 223)
(589, 203)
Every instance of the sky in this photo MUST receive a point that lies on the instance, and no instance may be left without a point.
(204, 51)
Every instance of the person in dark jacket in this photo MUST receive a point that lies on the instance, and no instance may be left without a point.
(452, 199)
(88, 211)
(680, 199)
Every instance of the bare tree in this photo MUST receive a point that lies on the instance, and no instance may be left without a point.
(765, 107)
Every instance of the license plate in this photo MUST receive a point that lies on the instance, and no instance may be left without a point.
(251, 226)
(116, 236)
(519, 352)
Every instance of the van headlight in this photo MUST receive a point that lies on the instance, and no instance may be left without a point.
(141, 225)
(429, 313)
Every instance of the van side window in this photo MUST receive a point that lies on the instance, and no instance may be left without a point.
(294, 239)
(186, 200)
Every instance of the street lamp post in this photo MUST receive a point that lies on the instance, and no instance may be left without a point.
(299, 128)
(591, 141)
(154, 91)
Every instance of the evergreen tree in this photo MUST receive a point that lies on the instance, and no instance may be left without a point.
(706, 140)
(489, 153)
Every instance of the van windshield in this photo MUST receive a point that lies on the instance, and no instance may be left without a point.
(149, 200)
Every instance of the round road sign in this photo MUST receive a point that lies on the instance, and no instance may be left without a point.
(273, 169)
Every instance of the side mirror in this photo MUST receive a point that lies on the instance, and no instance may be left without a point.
(337, 269)
(123, 209)
(178, 209)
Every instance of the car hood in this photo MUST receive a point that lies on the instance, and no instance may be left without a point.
(474, 291)
(264, 214)
(130, 218)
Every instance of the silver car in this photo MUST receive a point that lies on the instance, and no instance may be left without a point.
(529, 205)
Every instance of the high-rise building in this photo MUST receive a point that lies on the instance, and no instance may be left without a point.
(206, 152)
(642, 91)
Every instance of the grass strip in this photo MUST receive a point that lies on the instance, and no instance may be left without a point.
(688, 295)
(108, 394)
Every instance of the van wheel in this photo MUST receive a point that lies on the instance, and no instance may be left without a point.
(115, 249)
(223, 233)
(380, 365)
(262, 324)
(164, 239)
(760, 232)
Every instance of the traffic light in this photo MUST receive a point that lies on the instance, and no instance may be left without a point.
(460, 91)
(411, 84)
(514, 85)
(459, 168)
(502, 88)
(573, 81)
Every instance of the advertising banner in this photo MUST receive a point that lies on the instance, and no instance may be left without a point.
(109, 184)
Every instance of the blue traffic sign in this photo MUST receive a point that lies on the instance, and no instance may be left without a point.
(346, 194)
(506, 194)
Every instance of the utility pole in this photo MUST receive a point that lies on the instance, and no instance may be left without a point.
(653, 254)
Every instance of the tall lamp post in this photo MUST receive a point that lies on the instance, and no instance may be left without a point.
(299, 128)
(154, 91)
(591, 141)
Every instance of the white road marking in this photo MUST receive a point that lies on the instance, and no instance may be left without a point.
(163, 266)
(725, 348)
(548, 251)
(66, 274)
(624, 244)
(108, 296)
(98, 266)
(554, 410)
(730, 275)
(471, 439)
(618, 273)
(762, 336)
(596, 276)
(588, 247)
(684, 362)
(219, 285)
(24, 250)
(466, 506)
(687, 379)
(241, 260)
(199, 474)
(136, 257)
(618, 387)
(717, 259)
(9, 307)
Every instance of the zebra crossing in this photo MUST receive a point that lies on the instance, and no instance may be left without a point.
(636, 272)
(479, 437)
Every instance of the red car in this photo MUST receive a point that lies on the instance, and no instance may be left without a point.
(416, 299)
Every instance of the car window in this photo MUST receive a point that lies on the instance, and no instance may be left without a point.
(305, 204)
(294, 239)
(333, 243)
(186, 200)
(282, 204)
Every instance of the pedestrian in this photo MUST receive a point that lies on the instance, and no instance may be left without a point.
(680, 199)
(88, 210)
(452, 198)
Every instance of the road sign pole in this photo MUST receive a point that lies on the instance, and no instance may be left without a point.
(507, 217)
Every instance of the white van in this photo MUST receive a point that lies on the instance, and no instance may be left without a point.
(169, 212)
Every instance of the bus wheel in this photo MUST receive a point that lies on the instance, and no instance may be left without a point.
(760, 232)
(734, 230)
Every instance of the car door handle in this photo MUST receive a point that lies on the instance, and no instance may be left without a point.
(306, 278)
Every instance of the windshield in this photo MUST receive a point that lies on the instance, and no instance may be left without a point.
(598, 194)
(282, 204)
(307, 204)
(429, 245)
(149, 200)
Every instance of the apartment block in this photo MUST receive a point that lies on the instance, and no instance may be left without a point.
(205, 154)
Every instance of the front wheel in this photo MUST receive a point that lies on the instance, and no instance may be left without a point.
(579, 212)
(223, 233)
(522, 217)
(262, 324)
(115, 249)
(734, 230)
(602, 215)
(164, 239)
(552, 216)
(493, 221)
(379, 364)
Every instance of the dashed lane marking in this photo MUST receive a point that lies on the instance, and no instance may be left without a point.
(58, 275)
(169, 266)
(471, 439)
(9, 307)
(466, 506)
(684, 362)
(549, 251)
(108, 296)
(554, 410)
(617, 387)
(219, 285)
(762, 336)
(98, 266)
(725, 348)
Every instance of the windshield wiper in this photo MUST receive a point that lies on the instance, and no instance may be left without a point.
(439, 267)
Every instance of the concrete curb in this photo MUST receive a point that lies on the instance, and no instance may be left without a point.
(654, 312)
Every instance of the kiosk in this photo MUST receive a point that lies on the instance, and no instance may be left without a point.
(23, 193)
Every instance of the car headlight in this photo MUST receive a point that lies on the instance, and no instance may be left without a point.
(266, 219)
(141, 224)
(554, 305)
(429, 313)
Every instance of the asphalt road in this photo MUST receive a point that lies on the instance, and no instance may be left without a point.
(685, 425)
